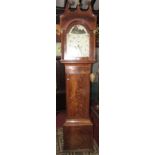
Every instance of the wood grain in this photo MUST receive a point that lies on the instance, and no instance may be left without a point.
(78, 128)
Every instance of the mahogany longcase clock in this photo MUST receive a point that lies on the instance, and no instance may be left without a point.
(78, 53)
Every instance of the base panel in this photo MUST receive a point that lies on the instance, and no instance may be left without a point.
(78, 136)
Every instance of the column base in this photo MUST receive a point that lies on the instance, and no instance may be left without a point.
(78, 134)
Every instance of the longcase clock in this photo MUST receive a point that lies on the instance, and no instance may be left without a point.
(78, 54)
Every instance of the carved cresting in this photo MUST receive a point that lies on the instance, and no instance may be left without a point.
(78, 127)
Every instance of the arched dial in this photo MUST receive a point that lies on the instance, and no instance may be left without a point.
(77, 42)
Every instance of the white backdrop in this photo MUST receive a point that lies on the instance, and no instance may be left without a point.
(127, 85)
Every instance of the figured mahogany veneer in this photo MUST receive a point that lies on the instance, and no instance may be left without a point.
(79, 135)
(78, 88)
(78, 128)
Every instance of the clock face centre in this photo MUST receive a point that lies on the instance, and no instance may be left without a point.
(77, 42)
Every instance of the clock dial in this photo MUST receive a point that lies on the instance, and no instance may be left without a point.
(77, 42)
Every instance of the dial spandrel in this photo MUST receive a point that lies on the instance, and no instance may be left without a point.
(77, 42)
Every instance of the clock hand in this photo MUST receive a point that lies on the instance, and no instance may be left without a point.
(79, 47)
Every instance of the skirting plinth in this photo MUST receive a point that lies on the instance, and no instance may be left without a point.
(78, 134)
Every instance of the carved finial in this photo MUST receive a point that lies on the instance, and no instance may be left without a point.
(89, 5)
(93, 2)
(78, 5)
(68, 3)
(79, 2)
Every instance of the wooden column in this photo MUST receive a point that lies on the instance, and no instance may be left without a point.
(78, 128)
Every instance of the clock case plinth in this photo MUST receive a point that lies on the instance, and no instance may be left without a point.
(78, 127)
(78, 134)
